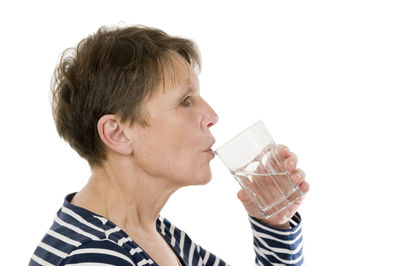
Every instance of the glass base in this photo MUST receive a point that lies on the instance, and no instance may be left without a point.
(280, 205)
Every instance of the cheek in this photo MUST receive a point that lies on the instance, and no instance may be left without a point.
(186, 163)
(175, 155)
(182, 154)
(192, 167)
(167, 154)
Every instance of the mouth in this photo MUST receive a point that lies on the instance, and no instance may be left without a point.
(210, 146)
(209, 150)
(211, 153)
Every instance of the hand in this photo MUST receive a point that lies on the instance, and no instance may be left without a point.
(281, 219)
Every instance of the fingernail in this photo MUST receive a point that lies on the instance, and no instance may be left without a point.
(292, 164)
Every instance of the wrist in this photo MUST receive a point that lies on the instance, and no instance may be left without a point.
(280, 226)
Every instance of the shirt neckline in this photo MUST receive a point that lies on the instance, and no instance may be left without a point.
(90, 216)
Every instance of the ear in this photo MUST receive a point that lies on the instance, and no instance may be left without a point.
(112, 133)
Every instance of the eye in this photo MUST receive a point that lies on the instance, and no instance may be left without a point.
(186, 102)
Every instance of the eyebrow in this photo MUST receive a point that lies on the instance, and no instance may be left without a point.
(189, 89)
(182, 95)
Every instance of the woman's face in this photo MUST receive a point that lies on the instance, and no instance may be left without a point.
(174, 146)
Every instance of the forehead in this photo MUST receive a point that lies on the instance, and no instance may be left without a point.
(178, 72)
(177, 77)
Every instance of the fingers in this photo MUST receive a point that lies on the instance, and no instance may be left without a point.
(298, 176)
(290, 159)
(304, 187)
(290, 162)
(283, 151)
(287, 162)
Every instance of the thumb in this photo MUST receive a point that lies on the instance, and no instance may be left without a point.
(244, 198)
(248, 204)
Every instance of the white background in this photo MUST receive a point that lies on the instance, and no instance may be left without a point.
(322, 75)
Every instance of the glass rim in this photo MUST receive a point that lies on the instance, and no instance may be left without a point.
(238, 135)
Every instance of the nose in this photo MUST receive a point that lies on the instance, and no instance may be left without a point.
(209, 117)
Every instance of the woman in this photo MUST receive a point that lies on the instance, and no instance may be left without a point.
(128, 101)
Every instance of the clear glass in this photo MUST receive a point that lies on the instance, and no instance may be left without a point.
(253, 160)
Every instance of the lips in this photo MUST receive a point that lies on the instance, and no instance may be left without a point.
(211, 153)
(209, 147)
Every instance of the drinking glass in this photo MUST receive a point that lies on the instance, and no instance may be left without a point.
(253, 160)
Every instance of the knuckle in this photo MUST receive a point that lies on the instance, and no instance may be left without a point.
(301, 172)
(282, 147)
(293, 156)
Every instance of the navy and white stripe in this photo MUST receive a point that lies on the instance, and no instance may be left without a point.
(79, 237)
(277, 246)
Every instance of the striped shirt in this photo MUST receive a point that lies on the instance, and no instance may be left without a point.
(80, 237)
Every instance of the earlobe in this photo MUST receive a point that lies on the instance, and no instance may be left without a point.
(112, 133)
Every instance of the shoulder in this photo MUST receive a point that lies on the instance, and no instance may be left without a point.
(99, 251)
(73, 231)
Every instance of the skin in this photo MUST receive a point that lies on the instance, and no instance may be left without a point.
(145, 166)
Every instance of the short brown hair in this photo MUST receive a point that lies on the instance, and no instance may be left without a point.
(112, 71)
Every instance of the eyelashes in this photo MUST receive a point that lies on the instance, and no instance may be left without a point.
(186, 102)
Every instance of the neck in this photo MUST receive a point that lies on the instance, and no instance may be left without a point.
(130, 199)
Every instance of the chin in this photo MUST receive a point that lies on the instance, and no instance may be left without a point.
(204, 179)
(192, 178)
(198, 180)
